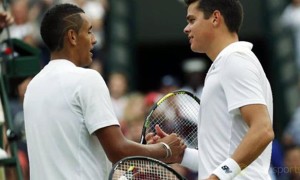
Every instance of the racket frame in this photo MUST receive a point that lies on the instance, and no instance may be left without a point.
(143, 158)
(155, 105)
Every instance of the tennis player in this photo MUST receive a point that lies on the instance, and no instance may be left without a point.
(71, 129)
(235, 121)
(235, 124)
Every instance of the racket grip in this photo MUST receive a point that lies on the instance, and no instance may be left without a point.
(143, 140)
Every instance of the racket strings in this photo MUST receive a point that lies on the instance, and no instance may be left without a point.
(142, 170)
(177, 114)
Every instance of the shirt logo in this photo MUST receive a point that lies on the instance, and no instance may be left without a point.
(226, 169)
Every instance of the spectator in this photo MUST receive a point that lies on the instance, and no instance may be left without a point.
(291, 133)
(97, 65)
(277, 160)
(118, 86)
(194, 72)
(291, 19)
(292, 162)
(19, 126)
(36, 12)
(134, 116)
(168, 84)
(23, 28)
(5, 20)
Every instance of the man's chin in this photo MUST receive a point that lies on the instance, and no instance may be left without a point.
(196, 50)
(88, 63)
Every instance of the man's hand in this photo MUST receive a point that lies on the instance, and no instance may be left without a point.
(5, 20)
(152, 138)
(175, 143)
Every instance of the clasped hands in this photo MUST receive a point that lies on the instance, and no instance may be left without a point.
(175, 143)
(161, 136)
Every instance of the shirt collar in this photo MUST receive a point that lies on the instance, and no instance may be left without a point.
(233, 47)
(61, 62)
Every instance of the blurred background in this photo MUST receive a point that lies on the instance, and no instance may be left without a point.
(142, 53)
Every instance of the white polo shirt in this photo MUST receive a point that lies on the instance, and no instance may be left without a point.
(235, 79)
(64, 105)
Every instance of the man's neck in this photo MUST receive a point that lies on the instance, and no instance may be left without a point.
(62, 55)
(220, 43)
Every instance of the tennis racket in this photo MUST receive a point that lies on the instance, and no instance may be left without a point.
(176, 112)
(142, 168)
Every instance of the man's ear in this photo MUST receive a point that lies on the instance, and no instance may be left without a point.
(72, 37)
(216, 18)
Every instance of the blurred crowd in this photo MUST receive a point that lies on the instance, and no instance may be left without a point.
(28, 14)
(131, 106)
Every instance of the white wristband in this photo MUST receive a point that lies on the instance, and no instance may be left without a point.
(190, 159)
(227, 170)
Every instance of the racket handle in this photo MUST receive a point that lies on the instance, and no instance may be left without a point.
(143, 140)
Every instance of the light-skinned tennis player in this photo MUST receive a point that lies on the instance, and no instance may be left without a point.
(236, 113)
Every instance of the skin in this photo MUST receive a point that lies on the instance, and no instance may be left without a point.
(117, 84)
(296, 3)
(211, 36)
(5, 20)
(77, 49)
(78, 46)
(117, 146)
(292, 161)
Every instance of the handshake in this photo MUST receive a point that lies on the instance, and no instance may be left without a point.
(172, 144)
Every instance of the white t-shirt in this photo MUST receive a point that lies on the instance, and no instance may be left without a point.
(235, 79)
(64, 105)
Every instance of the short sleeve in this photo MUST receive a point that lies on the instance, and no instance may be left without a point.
(95, 102)
(240, 80)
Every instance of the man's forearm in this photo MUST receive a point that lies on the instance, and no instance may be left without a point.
(253, 144)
